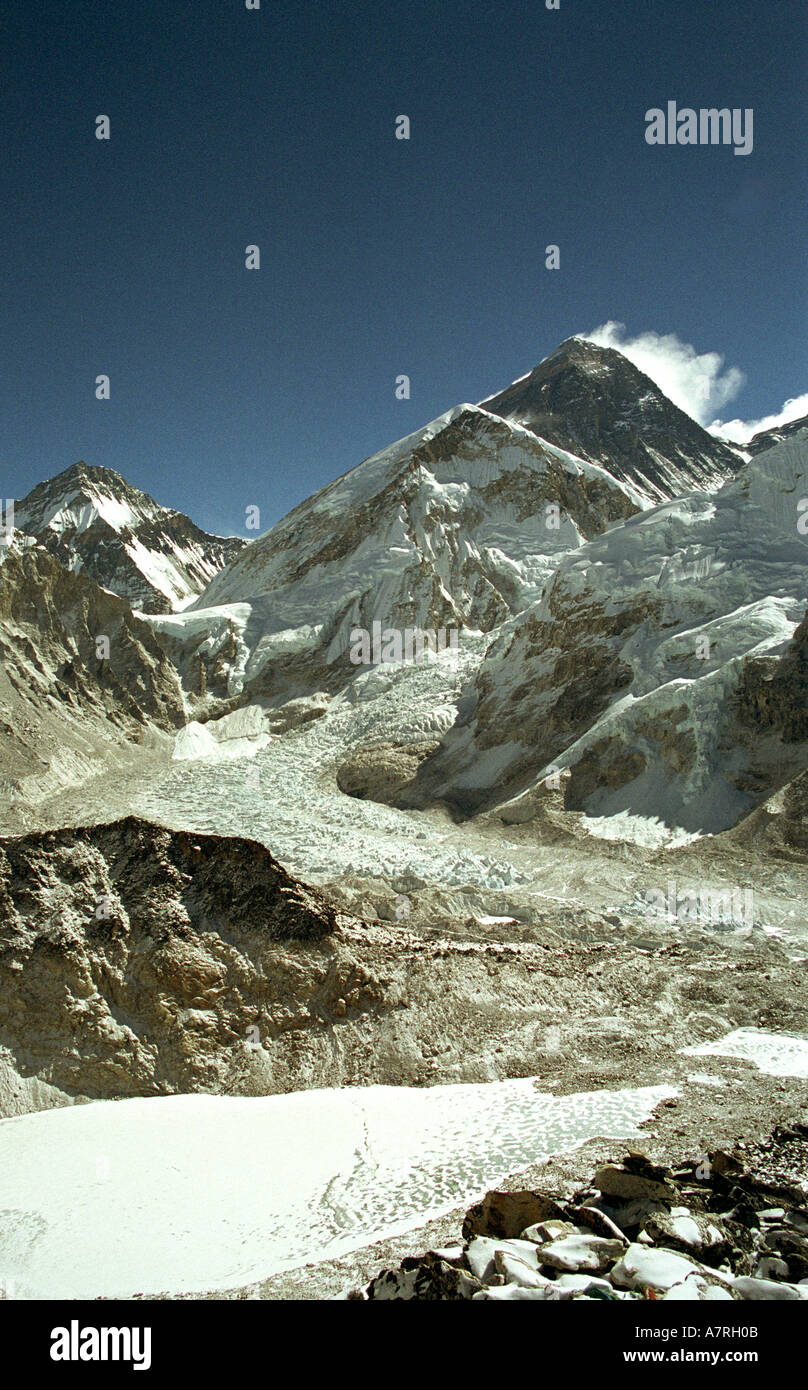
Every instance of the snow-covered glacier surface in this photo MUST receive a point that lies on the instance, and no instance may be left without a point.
(196, 1192)
(287, 797)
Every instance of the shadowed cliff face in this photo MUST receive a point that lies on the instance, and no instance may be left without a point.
(773, 691)
(82, 678)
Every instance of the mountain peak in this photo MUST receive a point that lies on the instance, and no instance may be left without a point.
(94, 521)
(583, 350)
(85, 472)
(594, 402)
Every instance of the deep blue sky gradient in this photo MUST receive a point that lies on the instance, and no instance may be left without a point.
(379, 256)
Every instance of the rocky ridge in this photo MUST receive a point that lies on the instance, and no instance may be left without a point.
(766, 439)
(83, 681)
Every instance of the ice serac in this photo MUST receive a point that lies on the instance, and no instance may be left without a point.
(94, 522)
(662, 676)
(458, 525)
(82, 679)
(592, 401)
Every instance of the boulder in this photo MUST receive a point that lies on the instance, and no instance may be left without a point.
(545, 1231)
(643, 1269)
(684, 1230)
(760, 1290)
(424, 1278)
(515, 1270)
(481, 1253)
(616, 1180)
(598, 1221)
(581, 1252)
(504, 1215)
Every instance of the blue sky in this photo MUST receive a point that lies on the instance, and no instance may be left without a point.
(380, 256)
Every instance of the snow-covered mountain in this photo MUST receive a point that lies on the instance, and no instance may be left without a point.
(93, 521)
(625, 633)
(458, 525)
(592, 401)
(661, 681)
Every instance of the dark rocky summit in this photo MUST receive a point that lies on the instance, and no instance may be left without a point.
(593, 402)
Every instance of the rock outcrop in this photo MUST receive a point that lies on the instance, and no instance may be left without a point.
(136, 960)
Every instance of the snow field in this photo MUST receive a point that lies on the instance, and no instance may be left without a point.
(197, 1192)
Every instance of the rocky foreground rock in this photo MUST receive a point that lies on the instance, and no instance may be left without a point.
(135, 960)
(733, 1225)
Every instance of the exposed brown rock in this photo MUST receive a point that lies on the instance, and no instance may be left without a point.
(506, 1214)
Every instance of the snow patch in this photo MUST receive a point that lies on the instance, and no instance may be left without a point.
(775, 1054)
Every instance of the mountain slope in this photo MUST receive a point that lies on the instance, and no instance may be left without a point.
(458, 525)
(66, 711)
(662, 674)
(595, 403)
(92, 520)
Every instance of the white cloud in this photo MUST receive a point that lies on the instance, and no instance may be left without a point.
(695, 381)
(742, 430)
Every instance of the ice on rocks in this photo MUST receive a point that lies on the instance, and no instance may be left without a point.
(482, 1251)
(642, 1267)
(759, 1290)
(516, 1270)
(695, 1289)
(580, 1252)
